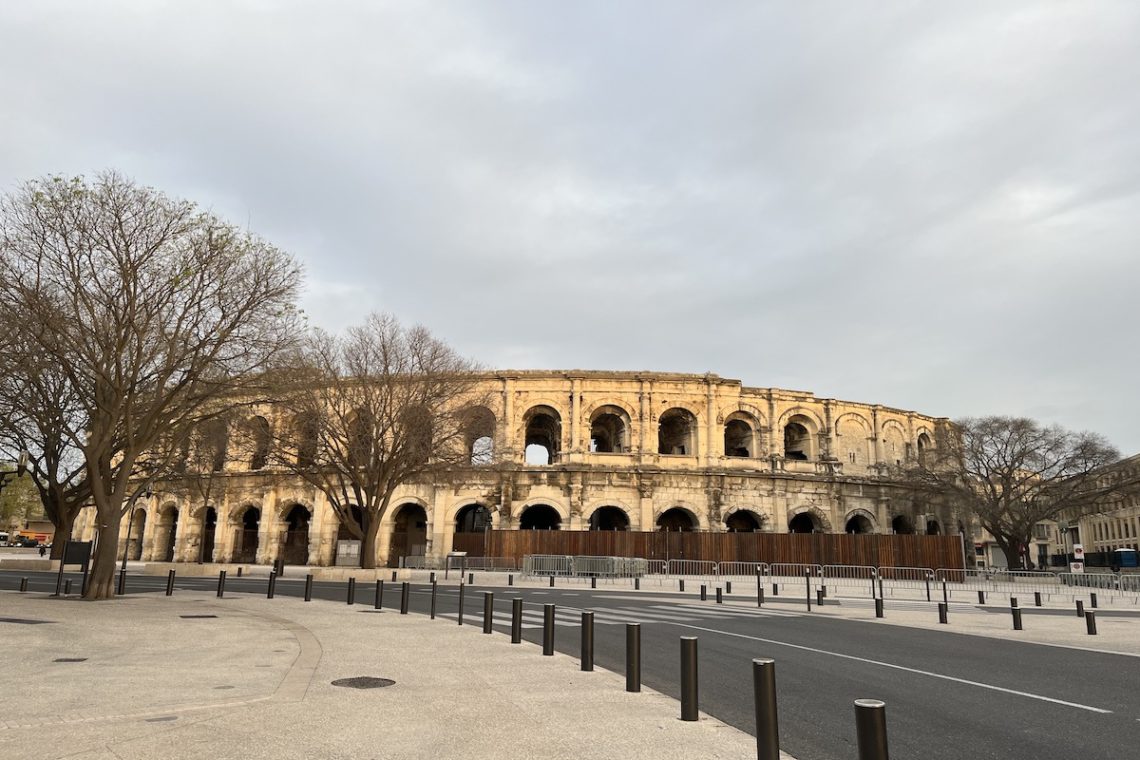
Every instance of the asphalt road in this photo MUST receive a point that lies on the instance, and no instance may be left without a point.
(949, 696)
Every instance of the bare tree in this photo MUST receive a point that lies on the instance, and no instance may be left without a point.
(373, 409)
(1011, 473)
(156, 313)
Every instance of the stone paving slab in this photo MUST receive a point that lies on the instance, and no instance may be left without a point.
(255, 682)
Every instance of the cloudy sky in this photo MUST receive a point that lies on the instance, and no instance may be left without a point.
(933, 206)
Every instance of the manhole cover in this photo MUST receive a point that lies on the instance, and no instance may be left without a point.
(196, 617)
(363, 682)
(70, 659)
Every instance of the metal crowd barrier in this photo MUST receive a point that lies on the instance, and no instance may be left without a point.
(741, 569)
(692, 567)
(795, 570)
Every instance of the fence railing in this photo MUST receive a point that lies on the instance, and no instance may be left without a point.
(584, 567)
(795, 570)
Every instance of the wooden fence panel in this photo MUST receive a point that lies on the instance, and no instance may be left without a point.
(791, 548)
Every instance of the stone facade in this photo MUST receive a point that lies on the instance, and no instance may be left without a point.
(557, 448)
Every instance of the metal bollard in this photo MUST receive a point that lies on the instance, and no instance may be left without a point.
(433, 588)
(819, 596)
(633, 656)
(719, 596)
(67, 587)
(350, 597)
(1016, 611)
(23, 585)
(775, 589)
(928, 577)
(516, 620)
(470, 579)
(393, 576)
(405, 591)
(880, 587)
(945, 593)
(548, 630)
(461, 600)
(239, 571)
(510, 579)
(680, 584)
(122, 583)
(767, 724)
(378, 595)
(637, 584)
(593, 581)
(822, 593)
(981, 597)
(879, 607)
(271, 587)
(807, 580)
(1013, 601)
(587, 641)
(552, 581)
(221, 583)
(1090, 622)
(728, 587)
(1036, 598)
(759, 595)
(689, 678)
(871, 729)
(1080, 608)
(1092, 599)
(488, 611)
(942, 613)
(308, 588)
(704, 593)
(170, 583)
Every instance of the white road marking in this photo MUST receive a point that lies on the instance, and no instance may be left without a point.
(903, 668)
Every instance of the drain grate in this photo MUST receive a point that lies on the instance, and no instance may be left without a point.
(196, 617)
(70, 659)
(22, 621)
(364, 682)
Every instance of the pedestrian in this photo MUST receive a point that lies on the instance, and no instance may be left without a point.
(43, 550)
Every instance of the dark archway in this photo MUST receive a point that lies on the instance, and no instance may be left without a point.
(540, 517)
(804, 522)
(296, 548)
(543, 439)
(743, 521)
(479, 435)
(245, 546)
(609, 518)
(677, 519)
(609, 431)
(474, 518)
(797, 440)
(676, 433)
(260, 437)
(209, 530)
(858, 524)
(409, 534)
(902, 526)
(737, 439)
(933, 528)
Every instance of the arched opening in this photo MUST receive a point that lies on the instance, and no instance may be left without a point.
(798, 439)
(738, 439)
(245, 544)
(923, 447)
(135, 539)
(676, 433)
(609, 431)
(306, 428)
(743, 521)
(212, 444)
(902, 526)
(209, 529)
(933, 528)
(418, 431)
(609, 518)
(540, 517)
(296, 548)
(259, 435)
(677, 519)
(359, 434)
(168, 523)
(804, 522)
(409, 534)
(543, 435)
(858, 524)
(474, 518)
(479, 430)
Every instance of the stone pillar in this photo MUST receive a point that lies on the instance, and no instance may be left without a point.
(877, 443)
(779, 508)
(575, 425)
(188, 537)
(711, 426)
(775, 445)
(268, 531)
(642, 421)
(148, 532)
(505, 449)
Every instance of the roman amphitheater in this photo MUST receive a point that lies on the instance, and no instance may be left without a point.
(582, 450)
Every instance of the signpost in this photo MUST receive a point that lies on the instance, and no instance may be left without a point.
(1078, 563)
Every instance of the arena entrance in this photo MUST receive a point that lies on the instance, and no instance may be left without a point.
(409, 534)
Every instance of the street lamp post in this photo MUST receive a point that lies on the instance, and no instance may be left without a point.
(130, 522)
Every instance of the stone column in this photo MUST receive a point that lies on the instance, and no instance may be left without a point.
(877, 443)
(575, 425)
(710, 426)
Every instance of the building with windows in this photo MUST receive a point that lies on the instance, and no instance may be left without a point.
(576, 450)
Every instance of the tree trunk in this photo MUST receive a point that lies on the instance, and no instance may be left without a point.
(1012, 555)
(101, 584)
(368, 544)
(63, 528)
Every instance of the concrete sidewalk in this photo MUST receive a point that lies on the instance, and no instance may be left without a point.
(194, 676)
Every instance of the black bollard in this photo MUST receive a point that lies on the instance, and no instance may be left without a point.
(767, 724)
(239, 571)
(271, 587)
(470, 579)
(433, 588)
(942, 613)
(945, 593)
(689, 678)
(510, 579)
(587, 641)
(67, 587)
(431, 578)
(23, 585)
(393, 576)
(516, 620)
(728, 587)
(1016, 611)
(637, 584)
(378, 595)
(633, 656)
(548, 630)
(308, 588)
(775, 589)
(981, 597)
(593, 581)
(1013, 601)
(759, 595)
(122, 582)
(170, 583)
(1090, 622)
(488, 611)
(928, 577)
(704, 592)
(350, 597)
(819, 596)
(681, 584)
(1080, 608)
(461, 600)
(880, 587)
(807, 580)
(405, 592)
(879, 607)
(1092, 599)
(719, 596)
(871, 729)
(552, 581)
(1036, 598)
(221, 583)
